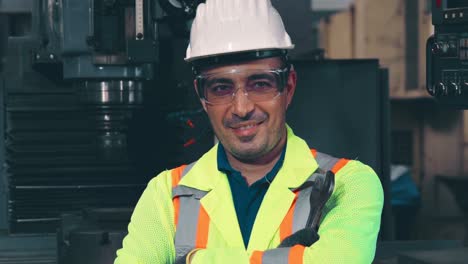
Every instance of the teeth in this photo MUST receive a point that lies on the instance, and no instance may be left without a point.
(246, 127)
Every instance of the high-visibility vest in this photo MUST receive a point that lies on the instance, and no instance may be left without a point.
(192, 229)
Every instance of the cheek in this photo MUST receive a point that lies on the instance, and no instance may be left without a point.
(277, 110)
(280, 113)
(216, 117)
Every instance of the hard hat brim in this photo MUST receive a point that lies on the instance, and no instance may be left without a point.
(233, 53)
(235, 57)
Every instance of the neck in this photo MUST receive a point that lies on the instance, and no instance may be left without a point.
(256, 169)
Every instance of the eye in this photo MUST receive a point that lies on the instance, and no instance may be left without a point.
(220, 90)
(261, 85)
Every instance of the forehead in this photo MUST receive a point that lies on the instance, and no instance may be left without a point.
(269, 63)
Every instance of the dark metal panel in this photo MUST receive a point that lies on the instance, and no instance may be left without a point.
(336, 108)
(341, 108)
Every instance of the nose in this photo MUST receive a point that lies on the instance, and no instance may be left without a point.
(241, 105)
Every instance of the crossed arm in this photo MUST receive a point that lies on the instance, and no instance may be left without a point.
(348, 231)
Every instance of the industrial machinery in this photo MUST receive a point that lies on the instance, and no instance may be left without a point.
(447, 73)
(447, 53)
(88, 87)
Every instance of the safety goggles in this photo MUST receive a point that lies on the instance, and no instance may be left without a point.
(258, 85)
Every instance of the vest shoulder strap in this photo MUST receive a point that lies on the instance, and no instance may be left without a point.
(327, 162)
(312, 196)
(180, 190)
(192, 229)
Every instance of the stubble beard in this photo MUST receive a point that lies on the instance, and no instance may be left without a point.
(256, 151)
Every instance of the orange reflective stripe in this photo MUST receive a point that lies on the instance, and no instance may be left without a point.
(314, 152)
(256, 257)
(176, 203)
(340, 164)
(175, 177)
(286, 226)
(202, 229)
(296, 254)
(176, 174)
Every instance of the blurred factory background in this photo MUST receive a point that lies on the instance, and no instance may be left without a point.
(96, 99)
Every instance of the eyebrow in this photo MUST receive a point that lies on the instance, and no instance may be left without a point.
(252, 77)
(261, 76)
(218, 80)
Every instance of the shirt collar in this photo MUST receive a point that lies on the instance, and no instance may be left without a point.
(224, 166)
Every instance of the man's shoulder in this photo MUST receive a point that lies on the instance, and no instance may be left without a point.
(164, 178)
(357, 168)
(325, 159)
(170, 178)
(187, 166)
(359, 179)
(346, 170)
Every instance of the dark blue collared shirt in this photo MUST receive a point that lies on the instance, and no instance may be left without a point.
(247, 199)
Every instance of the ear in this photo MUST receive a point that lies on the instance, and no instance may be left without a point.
(196, 91)
(291, 85)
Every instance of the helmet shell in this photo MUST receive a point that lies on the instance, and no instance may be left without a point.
(231, 26)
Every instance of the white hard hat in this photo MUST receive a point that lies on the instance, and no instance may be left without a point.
(232, 26)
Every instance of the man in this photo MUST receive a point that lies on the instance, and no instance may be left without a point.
(247, 199)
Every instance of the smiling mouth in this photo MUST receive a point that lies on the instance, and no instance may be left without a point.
(246, 132)
(246, 127)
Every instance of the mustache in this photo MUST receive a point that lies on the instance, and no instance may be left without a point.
(236, 120)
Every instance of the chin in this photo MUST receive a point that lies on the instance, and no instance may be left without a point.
(247, 153)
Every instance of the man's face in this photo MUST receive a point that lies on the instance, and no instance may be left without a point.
(249, 130)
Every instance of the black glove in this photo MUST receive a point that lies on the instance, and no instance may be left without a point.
(305, 237)
(181, 255)
(181, 260)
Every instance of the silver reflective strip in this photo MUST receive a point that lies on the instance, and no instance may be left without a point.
(302, 209)
(181, 190)
(326, 162)
(276, 256)
(189, 210)
(186, 232)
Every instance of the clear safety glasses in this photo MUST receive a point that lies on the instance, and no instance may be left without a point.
(257, 84)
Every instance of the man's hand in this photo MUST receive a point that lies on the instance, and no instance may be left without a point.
(305, 237)
(182, 260)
